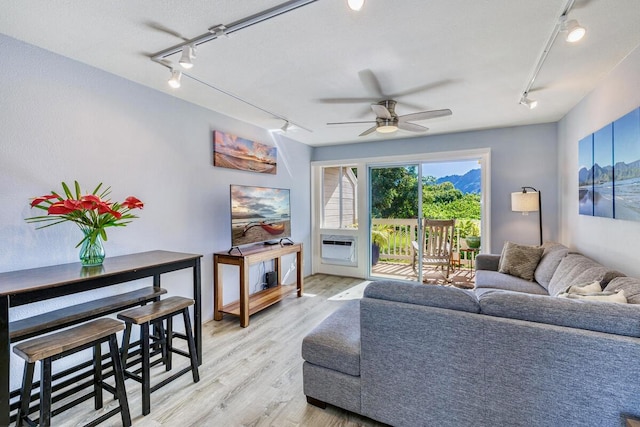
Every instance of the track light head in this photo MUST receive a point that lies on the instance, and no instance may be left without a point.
(188, 55)
(355, 4)
(575, 31)
(529, 103)
(176, 76)
(285, 126)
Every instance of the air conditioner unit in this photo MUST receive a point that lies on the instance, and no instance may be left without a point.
(338, 250)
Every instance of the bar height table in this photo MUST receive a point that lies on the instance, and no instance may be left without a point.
(38, 284)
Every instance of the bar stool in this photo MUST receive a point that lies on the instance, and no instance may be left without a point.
(60, 344)
(155, 313)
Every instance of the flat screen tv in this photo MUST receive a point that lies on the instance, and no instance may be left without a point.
(259, 214)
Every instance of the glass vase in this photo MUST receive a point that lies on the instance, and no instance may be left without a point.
(92, 253)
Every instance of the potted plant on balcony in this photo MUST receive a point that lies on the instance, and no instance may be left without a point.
(470, 230)
(379, 237)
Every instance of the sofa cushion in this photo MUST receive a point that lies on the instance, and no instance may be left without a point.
(429, 295)
(519, 260)
(494, 280)
(575, 269)
(590, 315)
(630, 286)
(551, 257)
(335, 343)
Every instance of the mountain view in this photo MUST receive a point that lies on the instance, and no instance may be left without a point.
(467, 183)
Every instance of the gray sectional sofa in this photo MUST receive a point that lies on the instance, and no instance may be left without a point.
(508, 353)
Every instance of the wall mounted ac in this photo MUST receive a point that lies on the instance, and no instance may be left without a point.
(338, 250)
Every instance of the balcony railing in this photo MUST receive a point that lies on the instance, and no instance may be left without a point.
(400, 233)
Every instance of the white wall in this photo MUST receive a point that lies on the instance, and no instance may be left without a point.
(613, 242)
(520, 156)
(65, 121)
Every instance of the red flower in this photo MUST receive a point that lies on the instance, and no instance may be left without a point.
(59, 208)
(41, 199)
(132, 203)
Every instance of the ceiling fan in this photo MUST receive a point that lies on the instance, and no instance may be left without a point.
(387, 120)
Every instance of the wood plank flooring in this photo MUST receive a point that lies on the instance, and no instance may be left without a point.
(249, 377)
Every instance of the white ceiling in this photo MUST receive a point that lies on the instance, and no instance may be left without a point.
(472, 56)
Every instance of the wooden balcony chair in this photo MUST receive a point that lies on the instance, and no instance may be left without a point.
(437, 239)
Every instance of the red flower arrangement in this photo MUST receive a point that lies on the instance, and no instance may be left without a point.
(91, 212)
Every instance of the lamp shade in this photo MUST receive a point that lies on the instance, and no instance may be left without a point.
(525, 202)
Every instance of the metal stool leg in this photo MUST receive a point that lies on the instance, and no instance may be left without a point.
(192, 345)
(25, 397)
(118, 374)
(45, 393)
(97, 375)
(146, 381)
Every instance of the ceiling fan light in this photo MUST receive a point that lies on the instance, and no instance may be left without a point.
(187, 57)
(174, 81)
(387, 128)
(575, 32)
(355, 4)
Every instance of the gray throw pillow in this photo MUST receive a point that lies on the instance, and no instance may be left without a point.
(519, 260)
(549, 262)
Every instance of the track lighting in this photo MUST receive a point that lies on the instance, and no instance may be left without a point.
(575, 32)
(285, 126)
(174, 81)
(529, 103)
(188, 55)
(355, 4)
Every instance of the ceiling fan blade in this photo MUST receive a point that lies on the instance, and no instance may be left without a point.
(418, 89)
(371, 83)
(381, 111)
(368, 131)
(346, 100)
(424, 115)
(411, 127)
(350, 123)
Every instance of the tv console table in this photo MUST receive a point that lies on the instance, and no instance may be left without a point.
(250, 304)
(39, 284)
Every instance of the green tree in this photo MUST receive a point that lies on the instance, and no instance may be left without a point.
(393, 192)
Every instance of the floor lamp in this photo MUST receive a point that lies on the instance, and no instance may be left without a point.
(525, 202)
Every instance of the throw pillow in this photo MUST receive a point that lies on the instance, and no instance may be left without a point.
(617, 297)
(519, 260)
(549, 262)
(585, 288)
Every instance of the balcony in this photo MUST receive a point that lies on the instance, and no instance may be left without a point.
(395, 261)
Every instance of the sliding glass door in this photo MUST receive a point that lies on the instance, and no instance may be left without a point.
(395, 206)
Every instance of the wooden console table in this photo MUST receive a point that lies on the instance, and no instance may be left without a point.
(39, 284)
(250, 304)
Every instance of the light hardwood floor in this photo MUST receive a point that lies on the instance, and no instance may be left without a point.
(249, 377)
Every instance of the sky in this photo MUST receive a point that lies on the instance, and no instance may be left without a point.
(440, 169)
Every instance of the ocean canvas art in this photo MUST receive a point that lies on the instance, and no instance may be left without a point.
(231, 151)
(603, 172)
(585, 175)
(609, 170)
(626, 134)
